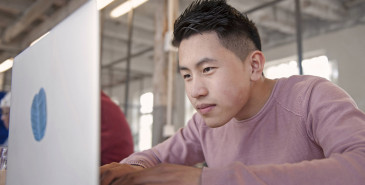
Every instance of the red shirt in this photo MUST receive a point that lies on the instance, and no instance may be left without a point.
(116, 137)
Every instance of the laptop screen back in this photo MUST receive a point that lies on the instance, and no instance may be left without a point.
(55, 106)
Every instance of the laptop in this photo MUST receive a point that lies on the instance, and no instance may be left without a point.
(54, 134)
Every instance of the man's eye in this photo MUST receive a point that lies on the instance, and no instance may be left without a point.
(207, 69)
(186, 76)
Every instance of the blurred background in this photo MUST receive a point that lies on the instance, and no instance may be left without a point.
(139, 65)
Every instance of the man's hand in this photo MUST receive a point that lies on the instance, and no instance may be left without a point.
(110, 172)
(163, 174)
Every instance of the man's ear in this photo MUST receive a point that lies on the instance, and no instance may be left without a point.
(257, 61)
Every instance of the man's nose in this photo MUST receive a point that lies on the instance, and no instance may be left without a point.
(198, 89)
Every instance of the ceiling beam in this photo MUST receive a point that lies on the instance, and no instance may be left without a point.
(5, 21)
(282, 27)
(327, 10)
(30, 15)
(60, 2)
(10, 47)
(119, 31)
(275, 19)
(12, 7)
(266, 15)
(111, 64)
(323, 9)
(6, 55)
(52, 21)
(262, 6)
(140, 21)
(352, 3)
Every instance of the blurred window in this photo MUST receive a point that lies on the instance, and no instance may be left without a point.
(145, 121)
(317, 66)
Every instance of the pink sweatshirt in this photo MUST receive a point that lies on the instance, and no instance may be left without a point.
(308, 132)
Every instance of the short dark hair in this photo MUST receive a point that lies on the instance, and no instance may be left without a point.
(235, 31)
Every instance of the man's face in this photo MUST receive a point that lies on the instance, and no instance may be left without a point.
(5, 116)
(217, 82)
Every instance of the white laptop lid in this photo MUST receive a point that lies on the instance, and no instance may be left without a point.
(55, 106)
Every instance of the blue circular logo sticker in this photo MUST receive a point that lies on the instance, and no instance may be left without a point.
(39, 115)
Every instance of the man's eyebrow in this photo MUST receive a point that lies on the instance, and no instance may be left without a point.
(182, 68)
(199, 63)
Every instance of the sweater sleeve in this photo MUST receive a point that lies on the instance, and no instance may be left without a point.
(333, 122)
(182, 148)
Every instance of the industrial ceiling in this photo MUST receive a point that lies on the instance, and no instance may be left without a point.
(23, 21)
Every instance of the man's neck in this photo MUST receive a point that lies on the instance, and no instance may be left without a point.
(259, 95)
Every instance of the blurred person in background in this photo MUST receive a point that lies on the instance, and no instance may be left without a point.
(4, 125)
(116, 136)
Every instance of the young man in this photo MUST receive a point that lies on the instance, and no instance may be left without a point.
(248, 129)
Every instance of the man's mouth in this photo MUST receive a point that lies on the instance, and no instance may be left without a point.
(205, 108)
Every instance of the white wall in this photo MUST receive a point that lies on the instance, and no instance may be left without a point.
(346, 47)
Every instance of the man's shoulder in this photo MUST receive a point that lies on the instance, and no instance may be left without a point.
(301, 80)
(293, 92)
(298, 83)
